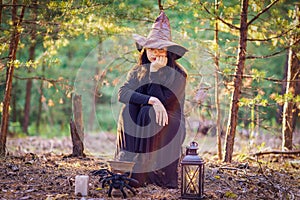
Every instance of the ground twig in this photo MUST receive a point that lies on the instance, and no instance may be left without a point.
(295, 152)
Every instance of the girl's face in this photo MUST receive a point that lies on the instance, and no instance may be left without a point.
(152, 54)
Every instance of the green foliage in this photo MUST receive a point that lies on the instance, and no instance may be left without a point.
(257, 100)
(287, 97)
(68, 33)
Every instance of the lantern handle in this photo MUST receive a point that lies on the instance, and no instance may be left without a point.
(194, 144)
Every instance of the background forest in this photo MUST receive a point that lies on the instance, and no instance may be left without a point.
(51, 50)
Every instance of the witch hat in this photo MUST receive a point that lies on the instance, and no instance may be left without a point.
(160, 37)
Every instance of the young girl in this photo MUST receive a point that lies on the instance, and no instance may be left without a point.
(151, 126)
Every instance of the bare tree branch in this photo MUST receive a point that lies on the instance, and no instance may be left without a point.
(3, 58)
(267, 56)
(261, 12)
(41, 78)
(31, 5)
(265, 78)
(219, 18)
(275, 53)
(271, 38)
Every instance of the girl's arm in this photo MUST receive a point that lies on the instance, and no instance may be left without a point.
(128, 94)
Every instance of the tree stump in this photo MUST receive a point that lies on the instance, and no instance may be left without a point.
(76, 127)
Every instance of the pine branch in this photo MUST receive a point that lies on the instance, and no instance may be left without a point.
(262, 12)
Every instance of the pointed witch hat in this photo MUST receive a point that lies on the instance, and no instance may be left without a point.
(160, 37)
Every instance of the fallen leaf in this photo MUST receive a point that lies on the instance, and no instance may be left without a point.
(230, 194)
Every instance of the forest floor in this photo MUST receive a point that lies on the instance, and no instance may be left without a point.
(38, 168)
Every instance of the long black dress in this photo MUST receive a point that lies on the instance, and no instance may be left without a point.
(154, 149)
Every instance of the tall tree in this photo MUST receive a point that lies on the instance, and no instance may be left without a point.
(293, 76)
(31, 59)
(233, 113)
(15, 37)
(40, 103)
(217, 98)
(241, 59)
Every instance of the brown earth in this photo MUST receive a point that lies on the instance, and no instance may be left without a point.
(38, 168)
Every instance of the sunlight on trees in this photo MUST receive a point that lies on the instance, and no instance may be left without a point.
(67, 31)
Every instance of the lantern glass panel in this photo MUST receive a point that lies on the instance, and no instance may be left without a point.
(191, 174)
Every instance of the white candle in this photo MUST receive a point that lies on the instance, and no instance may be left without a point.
(81, 185)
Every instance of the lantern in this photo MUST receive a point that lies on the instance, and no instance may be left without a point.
(192, 174)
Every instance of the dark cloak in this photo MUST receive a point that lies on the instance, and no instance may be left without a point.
(154, 149)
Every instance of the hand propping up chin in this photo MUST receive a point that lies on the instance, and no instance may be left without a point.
(159, 63)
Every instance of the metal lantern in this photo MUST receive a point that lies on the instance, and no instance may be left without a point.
(192, 174)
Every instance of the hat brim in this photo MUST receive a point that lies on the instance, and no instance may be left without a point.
(143, 42)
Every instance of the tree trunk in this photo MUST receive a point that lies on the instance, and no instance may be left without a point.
(29, 81)
(9, 75)
(289, 108)
(234, 107)
(40, 106)
(94, 101)
(283, 89)
(1, 7)
(27, 106)
(76, 126)
(14, 94)
(78, 147)
(289, 114)
(217, 98)
(39, 114)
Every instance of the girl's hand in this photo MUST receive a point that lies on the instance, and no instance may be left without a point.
(160, 62)
(161, 114)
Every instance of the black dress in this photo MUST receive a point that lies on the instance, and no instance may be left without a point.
(154, 149)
